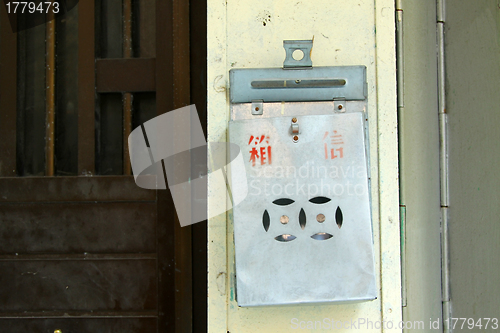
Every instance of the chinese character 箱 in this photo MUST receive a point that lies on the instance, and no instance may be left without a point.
(261, 150)
(333, 145)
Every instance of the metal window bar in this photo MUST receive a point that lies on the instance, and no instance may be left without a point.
(50, 87)
(8, 84)
(127, 97)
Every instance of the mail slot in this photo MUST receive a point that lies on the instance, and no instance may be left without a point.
(303, 234)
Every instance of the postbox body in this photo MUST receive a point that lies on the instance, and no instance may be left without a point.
(303, 234)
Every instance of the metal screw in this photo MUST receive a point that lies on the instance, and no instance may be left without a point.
(57, 331)
(295, 138)
(320, 218)
(294, 120)
(340, 107)
(284, 219)
(256, 108)
(297, 81)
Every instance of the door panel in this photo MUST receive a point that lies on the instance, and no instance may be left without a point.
(78, 228)
(63, 285)
(81, 251)
(72, 189)
(80, 325)
(78, 246)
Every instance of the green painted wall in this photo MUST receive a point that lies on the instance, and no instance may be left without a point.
(419, 163)
(473, 106)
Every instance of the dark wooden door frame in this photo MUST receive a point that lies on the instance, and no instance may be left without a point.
(8, 96)
(55, 272)
(168, 70)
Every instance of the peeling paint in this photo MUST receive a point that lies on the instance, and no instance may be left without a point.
(220, 88)
(264, 17)
(221, 283)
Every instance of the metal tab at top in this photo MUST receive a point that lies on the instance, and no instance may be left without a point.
(304, 46)
(303, 233)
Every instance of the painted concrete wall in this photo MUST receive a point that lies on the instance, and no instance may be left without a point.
(419, 163)
(473, 107)
(249, 33)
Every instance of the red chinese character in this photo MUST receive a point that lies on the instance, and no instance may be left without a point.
(253, 155)
(265, 151)
(335, 139)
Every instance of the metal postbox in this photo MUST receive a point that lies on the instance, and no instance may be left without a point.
(303, 234)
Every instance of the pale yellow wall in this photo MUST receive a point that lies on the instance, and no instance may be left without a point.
(346, 32)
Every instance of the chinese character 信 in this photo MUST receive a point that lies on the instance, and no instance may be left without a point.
(335, 139)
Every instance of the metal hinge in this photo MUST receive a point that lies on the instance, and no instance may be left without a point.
(400, 58)
(402, 225)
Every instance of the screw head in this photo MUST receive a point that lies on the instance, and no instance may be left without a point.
(284, 219)
(294, 120)
(340, 107)
(320, 218)
(57, 331)
(295, 138)
(257, 108)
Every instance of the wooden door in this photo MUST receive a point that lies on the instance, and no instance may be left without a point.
(82, 248)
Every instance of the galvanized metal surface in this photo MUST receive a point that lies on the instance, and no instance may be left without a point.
(400, 56)
(445, 270)
(257, 107)
(444, 167)
(339, 105)
(316, 83)
(343, 81)
(441, 10)
(244, 110)
(400, 101)
(291, 46)
(324, 172)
